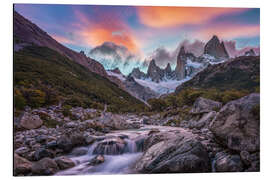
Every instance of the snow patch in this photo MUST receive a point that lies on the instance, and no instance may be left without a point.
(163, 87)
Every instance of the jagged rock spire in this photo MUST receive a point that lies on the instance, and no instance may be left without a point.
(216, 48)
(154, 72)
(181, 63)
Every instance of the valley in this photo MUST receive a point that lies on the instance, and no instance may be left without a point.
(73, 116)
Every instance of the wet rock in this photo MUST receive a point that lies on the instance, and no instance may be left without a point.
(30, 121)
(236, 125)
(77, 139)
(90, 139)
(226, 162)
(64, 143)
(79, 151)
(21, 165)
(111, 146)
(42, 153)
(96, 160)
(180, 155)
(41, 138)
(245, 157)
(52, 145)
(64, 162)
(155, 138)
(202, 105)
(22, 150)
(45, 166)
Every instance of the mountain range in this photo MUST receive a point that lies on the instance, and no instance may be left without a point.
(143, 86)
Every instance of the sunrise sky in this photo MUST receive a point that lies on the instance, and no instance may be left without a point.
(143, 29)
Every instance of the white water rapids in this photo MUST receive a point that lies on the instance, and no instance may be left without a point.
(117, 160)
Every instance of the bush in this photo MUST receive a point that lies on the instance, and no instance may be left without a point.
(66, 110)
(19, 100)
(35, 98)
(157, 104)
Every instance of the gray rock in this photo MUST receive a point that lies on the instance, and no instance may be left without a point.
(180, 155)
(64, 162)
(22, 150)
(203, 105)
(245, 157)
(79, 151)
(226, 162)
(203, 122)
(42, 153)
(96, 160)
(236, 126)
(64, 143)
(30, 121)
(21, 165)
(45, 166)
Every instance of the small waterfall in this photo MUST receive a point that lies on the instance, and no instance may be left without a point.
(120, 153)
(131, 146)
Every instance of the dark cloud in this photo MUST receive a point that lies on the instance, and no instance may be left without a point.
(195, 47)
(164, 56)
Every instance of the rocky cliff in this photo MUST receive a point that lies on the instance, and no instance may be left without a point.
(216, 48)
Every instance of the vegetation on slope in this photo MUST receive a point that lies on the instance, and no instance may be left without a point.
(43, 77)
(222, 82)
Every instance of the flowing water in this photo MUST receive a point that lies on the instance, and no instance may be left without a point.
(120, 149)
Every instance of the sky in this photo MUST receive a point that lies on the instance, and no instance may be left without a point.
(141, 30)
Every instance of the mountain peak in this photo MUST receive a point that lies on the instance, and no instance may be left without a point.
(216, 48)
(154, 72)
(168, 68)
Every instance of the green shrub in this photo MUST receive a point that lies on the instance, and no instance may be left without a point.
(157, 104)
(62, 79)
(19, 100)
(66, 110)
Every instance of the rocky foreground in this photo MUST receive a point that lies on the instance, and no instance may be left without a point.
(211, 137)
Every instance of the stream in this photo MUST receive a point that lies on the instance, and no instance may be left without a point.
(120, 149)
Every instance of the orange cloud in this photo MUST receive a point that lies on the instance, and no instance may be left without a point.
(98, 35)
(228, 31)
(158, 16)
(107, 30)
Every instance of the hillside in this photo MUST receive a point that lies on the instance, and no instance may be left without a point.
(43, 77)
(26, 33)
(241, 73)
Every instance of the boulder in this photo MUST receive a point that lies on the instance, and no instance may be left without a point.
(203, 105)
(30, 121)
(79, 151)
(64, 143)
(110, 146)
(178, 155)
(64, 162)
(42, 153)
(96, 160)
(157, 137)
(245, 157)
(21, 165)
(225, 162)
(45, 166)
(237, 124)
(22, 150)
(203, 122)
